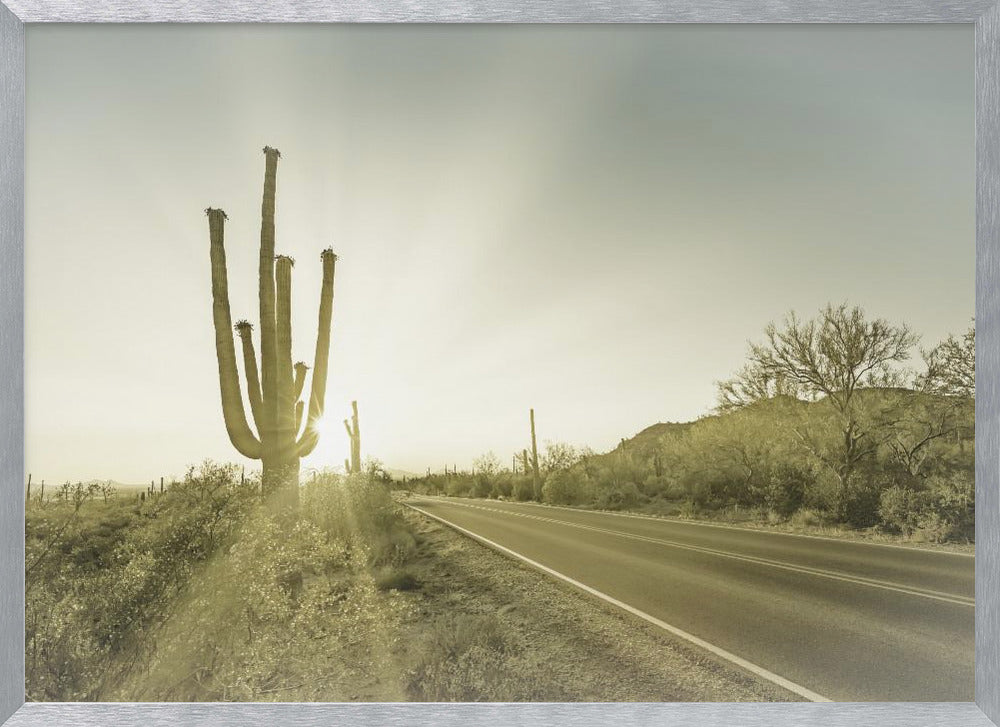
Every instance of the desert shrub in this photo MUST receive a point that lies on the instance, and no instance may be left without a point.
(458, 486)
(469, 658)
(482, 485)
(523, 488)
(901, 509)
(248, 631)
(358, 509)
(953, 506)
(290, 610)
(806, 518)
(943, 510)
(859, 500)
(503, 486)
(396, 579)
(654, 486)
(99, 574)
(689, 509)
(785, 489)
(567, 487)
(618, 497)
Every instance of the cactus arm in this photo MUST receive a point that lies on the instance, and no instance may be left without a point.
(268, 348)
(283, 368)
(350, 432)
(299, 409)
(347, 467)
(300, 379)
(250, 367)
(237, 427)
(307, 443)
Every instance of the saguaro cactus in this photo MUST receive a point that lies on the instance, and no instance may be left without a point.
(354, 433)
(280, 440)
(536, 478)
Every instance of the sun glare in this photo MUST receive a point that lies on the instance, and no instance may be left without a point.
(333, 444)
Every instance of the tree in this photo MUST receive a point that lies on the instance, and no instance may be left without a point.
(833, 358)
(753, 383)
(559, 456)
(487, 464)
(949, 386)
(486, 467)
(951, 367)
(924, 421)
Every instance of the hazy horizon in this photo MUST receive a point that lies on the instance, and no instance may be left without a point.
(590, 221)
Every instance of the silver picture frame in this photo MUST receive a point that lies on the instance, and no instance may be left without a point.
(983, 14)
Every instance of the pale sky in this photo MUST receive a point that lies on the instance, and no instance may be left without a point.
(592, 221)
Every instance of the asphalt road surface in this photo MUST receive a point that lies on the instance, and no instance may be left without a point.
(839, 620)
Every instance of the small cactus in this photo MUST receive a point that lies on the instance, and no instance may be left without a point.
(354, 435)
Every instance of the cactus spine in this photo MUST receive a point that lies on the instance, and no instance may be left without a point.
(536, 479)
(274, 395)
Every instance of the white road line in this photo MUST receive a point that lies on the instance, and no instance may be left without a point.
(740, 528)
(782, 565)
(712, 648)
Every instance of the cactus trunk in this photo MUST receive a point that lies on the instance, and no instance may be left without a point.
(287, 452)
(268, 345)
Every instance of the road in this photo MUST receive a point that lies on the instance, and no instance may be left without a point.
(835, 619)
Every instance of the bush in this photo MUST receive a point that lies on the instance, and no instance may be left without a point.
(901, 509)
(482, 485)
(654, 486)
(567, 487)
(394, 579)
(289, 610)
(689, 509)
(90, 600)
(458, 486)
(859, 500)
(358, 509)
(785, 490)
(806, 518)
(944, 510)
(953, 499)
(503, 486)
(472, 659)
(523, 488)
(618, 497)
